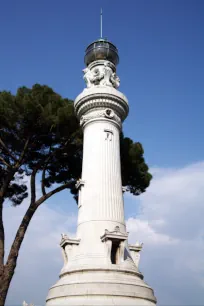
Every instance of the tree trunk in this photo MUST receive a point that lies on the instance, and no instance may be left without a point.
(1, 247)
(10, 265)
(4, 285)
(1, 236)
(3, 190)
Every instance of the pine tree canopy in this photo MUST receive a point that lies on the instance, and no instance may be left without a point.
(39, 133)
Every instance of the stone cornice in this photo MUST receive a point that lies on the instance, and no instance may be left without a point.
(116, 234)
(99, 98)
(66, 240)
(79, 183)
(135, 247)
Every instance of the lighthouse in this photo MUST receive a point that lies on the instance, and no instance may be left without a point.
(100, 266)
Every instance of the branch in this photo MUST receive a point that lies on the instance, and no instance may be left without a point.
(3, 190)
(10, 266)
(43, 172)
(13, 254)
(19, 161)
(32, 186)
(53, 153)
(6, 181)
(43, 181)
(4, 162)
(2, 238)
(8, 151)
(2, 247)
(52, 192)
(46, 162)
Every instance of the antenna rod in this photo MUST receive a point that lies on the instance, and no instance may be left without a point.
(101, 23)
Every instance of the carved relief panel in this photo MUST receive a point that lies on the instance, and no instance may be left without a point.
(102, 75)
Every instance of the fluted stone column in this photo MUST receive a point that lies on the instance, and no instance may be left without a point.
(99, 268)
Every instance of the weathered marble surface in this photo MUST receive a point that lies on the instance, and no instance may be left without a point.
(100, 268)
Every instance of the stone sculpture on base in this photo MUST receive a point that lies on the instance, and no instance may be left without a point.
(102, 75)
(100, 267)
(25, 304)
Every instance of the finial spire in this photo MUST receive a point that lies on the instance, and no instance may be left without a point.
(101, 23)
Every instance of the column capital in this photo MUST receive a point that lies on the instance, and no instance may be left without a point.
(101, 103)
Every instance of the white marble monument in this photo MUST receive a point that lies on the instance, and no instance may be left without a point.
(100, 267)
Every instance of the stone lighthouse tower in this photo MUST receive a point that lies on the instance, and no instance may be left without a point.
(100, 267)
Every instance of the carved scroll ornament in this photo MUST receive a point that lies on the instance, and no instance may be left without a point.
(107, 113)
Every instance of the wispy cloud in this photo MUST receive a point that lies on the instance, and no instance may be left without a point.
(169, 222)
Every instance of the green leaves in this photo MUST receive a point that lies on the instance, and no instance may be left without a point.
(45, 122)
(134, 170)
(39, 132)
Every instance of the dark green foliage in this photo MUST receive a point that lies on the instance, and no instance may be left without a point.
(135, 175)
(39, 128)
(43, 123)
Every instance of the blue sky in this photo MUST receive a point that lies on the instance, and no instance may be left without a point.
(161, 47)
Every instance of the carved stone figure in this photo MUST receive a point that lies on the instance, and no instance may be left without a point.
(115, 80)
(88, 77)
(98, 75)
(102, 75)
(25, 304)
(92, 77)
(64, 236)
(107, 75)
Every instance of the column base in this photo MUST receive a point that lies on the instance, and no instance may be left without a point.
(102, 287)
